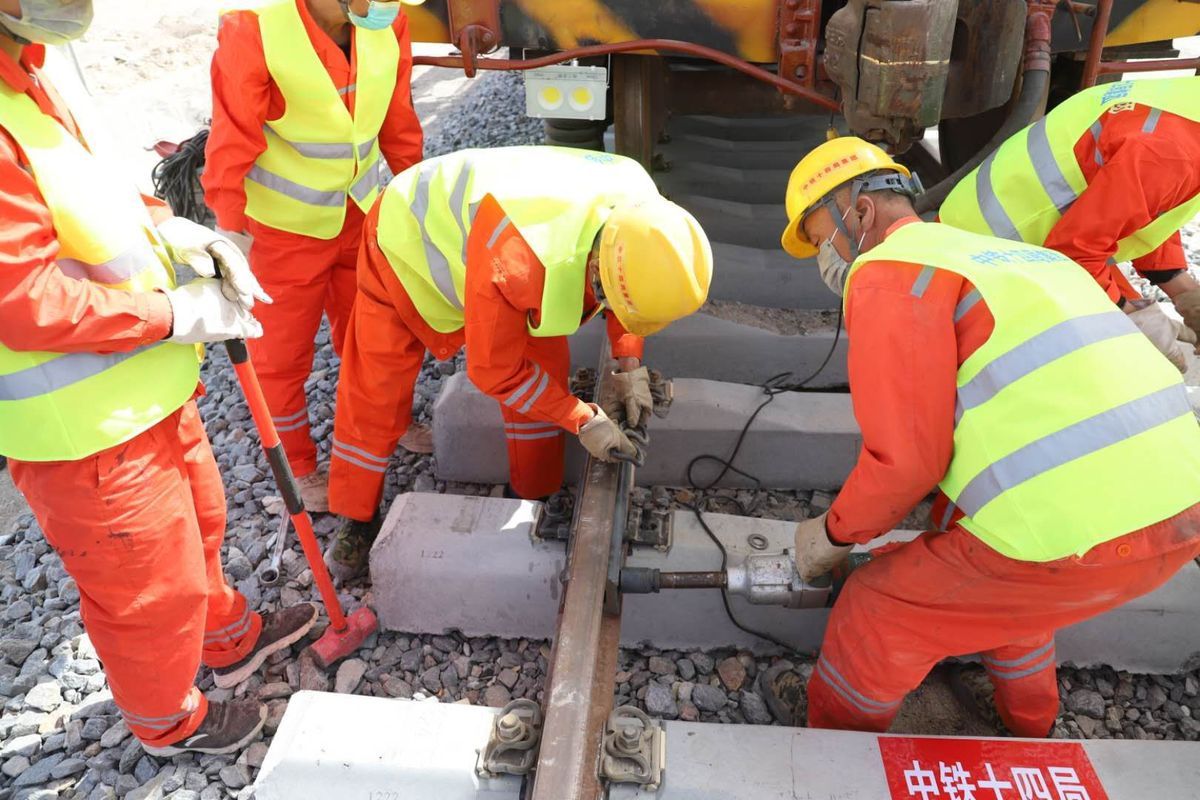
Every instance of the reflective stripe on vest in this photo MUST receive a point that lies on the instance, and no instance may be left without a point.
(318, 152)
(66, 406)
(556, 199)
(1023, 188)
(1065, 411)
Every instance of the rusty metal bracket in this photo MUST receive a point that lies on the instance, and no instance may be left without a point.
(475, 28)
(512, 745)
(653, 528)
(799, 29)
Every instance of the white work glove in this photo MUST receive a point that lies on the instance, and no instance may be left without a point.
(815, 554)
(199, 247)
(631, 396)
(242, 241)
(600, 436)
(202, 313)
(1161, 331)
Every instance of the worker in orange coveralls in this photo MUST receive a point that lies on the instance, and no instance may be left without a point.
(1109, 175)
(999, 372)
(98, 370)
(308, 97)
(508, 250)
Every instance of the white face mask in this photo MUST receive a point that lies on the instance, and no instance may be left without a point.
(833, 268)
(49, 21)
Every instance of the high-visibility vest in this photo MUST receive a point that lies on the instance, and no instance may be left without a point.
(66, 406)
(558, 198)
(1022, 189)
(1070, 428)
(318, 152)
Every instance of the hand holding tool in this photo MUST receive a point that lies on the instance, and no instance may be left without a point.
(602, 437)
(212, 255)
(815, 554)
(631, 397)
(202, 313)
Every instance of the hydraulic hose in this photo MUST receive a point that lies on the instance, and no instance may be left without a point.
(1031, 101)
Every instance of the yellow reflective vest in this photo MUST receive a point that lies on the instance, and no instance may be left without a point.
(318, 152)
(1021, 190)
(557, 197)
(1070, 428)
(66, 406)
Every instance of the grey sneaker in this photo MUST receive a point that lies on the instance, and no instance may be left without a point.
(227, 728)
(783, 689)
(347, 558)
(280, 629)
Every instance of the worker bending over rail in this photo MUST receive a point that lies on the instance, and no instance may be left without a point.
(98, 371)
(1001, 373)
(1109, 175)
(507, 250)
(308, 97)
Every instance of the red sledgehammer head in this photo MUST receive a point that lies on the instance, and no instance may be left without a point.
(334, 645)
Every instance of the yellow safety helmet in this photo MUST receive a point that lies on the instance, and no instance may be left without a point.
(820, 172)
(655, 264)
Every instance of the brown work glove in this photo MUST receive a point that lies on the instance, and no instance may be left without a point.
(600, 436)
(1153, 322)
(816, 555)
(1188, 305)
(631, 396)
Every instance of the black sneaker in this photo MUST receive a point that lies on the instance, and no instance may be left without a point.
(280, 629)
(783, 689)
(348, 557)
(227, 728)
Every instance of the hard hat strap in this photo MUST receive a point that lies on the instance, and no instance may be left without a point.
(839, 216)
(891, 181)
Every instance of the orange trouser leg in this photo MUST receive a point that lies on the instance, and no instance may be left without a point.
(536, 448)
(948, 594)
(380, 365)
(1024, 675)
(305, 277)
(140, 532)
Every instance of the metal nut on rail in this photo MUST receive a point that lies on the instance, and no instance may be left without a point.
(635, 748)
(512, 745)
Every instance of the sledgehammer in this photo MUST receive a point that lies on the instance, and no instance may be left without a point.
(344, 634)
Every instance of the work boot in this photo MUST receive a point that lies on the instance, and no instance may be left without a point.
(783, 689)
(314, 490)
(417, 439)
(280, 629)
(347, 558)
(227, 728)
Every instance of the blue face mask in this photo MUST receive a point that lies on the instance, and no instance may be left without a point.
(379, 15)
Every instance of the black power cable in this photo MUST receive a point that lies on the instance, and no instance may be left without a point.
(772, 387)
(177, 179)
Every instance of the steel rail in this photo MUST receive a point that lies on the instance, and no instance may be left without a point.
(579, 686)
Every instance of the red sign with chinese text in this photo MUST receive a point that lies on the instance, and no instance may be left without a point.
(987, 769)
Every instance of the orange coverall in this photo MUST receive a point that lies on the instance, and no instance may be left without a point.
(528, 375)
(138, 526)
(303, 275)
(947, 593)
(1133, 175)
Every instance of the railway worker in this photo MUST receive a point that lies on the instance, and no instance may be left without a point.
(507, 250)
(1109, 175)
(98, 371)
(308, 97)
(999, 372)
